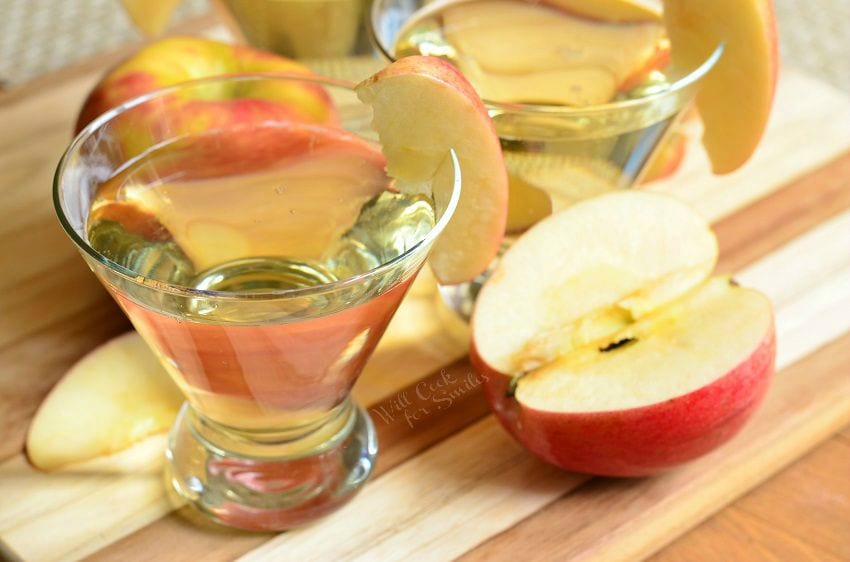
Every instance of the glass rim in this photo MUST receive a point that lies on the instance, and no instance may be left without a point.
(676, 86)
(181, 290)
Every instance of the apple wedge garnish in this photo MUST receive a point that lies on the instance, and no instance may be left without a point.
(605, 348)
(424, 108)
(735, 97)
(113, 397)
(322, 175)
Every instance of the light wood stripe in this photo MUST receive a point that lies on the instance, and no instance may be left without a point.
(784, 215)
(91, 499)
(409, 506)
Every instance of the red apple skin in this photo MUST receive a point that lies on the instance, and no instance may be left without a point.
(638, 441)
(250, 145)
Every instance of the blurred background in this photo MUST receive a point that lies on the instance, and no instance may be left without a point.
(40, 36)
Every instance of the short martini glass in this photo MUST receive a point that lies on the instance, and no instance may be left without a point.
(555, 153)
(261, 258)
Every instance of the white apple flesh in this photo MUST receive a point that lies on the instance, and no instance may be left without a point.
(423, 108)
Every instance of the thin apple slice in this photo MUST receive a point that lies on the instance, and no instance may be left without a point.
(113, 397)
(548, 57)
(587, 272)
(423, 108)
(736, 96)
(301, 187)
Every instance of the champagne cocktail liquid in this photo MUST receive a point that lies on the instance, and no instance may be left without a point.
(548, 59)
(195, 213)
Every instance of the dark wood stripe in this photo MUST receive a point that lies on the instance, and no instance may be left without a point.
(764, 225)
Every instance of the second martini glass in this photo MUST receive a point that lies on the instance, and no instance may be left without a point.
(555, 153)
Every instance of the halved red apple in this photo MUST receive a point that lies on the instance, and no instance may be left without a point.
(736, 96)
(605, 348)
(424, 108)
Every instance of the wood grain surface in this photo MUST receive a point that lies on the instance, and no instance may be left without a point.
(451, 483)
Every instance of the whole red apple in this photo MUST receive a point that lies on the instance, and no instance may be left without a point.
(180, 59)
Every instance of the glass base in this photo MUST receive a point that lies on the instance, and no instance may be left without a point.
(270, 482)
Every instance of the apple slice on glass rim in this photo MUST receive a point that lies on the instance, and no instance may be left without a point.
(605, 347)
(423, 109)
(115, 396)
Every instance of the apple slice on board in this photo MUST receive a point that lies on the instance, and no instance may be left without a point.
(605, 348)
(116, 395)
(736, 96)
(423, 108)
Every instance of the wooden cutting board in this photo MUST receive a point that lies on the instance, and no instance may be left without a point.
(449, 482)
